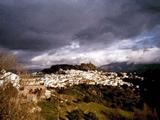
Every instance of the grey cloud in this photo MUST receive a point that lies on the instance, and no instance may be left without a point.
(132, 19)
(150, 5)
(40, 26)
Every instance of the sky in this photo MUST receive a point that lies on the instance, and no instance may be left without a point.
(46, 32)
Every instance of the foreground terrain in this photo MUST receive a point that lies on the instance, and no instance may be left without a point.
(73, 94)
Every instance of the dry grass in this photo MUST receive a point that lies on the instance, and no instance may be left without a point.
(11, 106)
(8, 60)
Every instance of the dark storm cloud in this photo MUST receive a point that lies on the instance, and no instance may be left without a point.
(132, 19)
(45, 26)
(150, 5)
(21, 29)
(42, 25)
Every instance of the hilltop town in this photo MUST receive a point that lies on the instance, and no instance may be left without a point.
(64, 78)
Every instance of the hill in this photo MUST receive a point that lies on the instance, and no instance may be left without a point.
(130, 67)
(82, 66)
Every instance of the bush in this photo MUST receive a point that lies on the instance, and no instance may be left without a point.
(75, 115)
(90, 116)
(9, 62)
(11, 107)
(80, 115)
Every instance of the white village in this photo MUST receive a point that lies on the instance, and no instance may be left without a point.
(48, 82)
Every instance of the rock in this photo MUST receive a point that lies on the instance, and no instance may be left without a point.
(59, 68)
(47, 94)
(1, 82)
(35, 109)
(32, 98)
(41, 82)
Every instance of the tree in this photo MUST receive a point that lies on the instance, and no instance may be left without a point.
(8, 61)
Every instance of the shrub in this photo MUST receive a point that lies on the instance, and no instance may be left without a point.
(11, 107)
(9, 62)
(75, 115)
(80, 115)
(90, 116)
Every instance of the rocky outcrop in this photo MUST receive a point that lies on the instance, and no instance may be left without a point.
(57, 68)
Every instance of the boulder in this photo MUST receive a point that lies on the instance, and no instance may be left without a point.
(47, 94)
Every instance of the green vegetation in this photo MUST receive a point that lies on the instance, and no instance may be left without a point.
(49, 110)
(72, 104)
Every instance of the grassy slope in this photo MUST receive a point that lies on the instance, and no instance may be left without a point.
(73, 99)
(51, 113)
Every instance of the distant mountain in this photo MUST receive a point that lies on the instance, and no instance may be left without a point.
(130, 67)
(118, 67)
